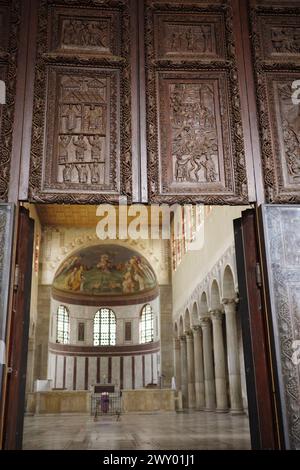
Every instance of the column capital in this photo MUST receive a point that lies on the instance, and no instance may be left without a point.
(217, 315)
(196, 329)
(189, 334)
(182, 338)
(176, 342)
(205, 322)
(227, 301)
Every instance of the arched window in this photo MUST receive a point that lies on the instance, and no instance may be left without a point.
(146, 325)
(62, 325)
(105, 328)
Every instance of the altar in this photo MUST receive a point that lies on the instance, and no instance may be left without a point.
(148, 399)
(58, 401)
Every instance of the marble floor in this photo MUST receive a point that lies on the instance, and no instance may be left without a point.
(155, 431)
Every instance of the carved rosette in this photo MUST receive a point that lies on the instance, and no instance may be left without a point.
(195, 136)
(10, 16)
(81, 137)
(276, 46)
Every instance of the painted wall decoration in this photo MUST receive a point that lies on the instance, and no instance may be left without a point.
(105, 270)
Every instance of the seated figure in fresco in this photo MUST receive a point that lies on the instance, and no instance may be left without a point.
(128, 283)
(74, 281)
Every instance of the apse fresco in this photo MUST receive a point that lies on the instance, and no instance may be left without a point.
(105, 270)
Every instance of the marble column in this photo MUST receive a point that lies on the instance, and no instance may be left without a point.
(191, 369)
(233, 356)
(177, 368)
(219, 361)
(184, 382)
(199, 371)
(209, 380)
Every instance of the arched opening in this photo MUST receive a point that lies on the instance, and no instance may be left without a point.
(187, 320)
(181, 329)
(228, 284)
(215, 296)
(195, 315)
(203, 309)
(104, 328)
(62, 325)
(146, 325)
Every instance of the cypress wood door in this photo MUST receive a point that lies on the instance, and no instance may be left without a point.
(139, 99)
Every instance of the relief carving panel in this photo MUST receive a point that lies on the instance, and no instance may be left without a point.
(194, 134)
(286, 130)
(281, 225)
(82, 139)
(193, 105)
(82, 87)
(89, 31)
(189, 36)
(276, 41)
(280, 37)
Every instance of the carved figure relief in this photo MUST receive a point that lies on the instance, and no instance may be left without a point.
(78, 132)
(85, 34)
(276, 39)
(190, 36)
(285, 40)
(89, 31)
(194, 133)
(82, 103)
(290, 117)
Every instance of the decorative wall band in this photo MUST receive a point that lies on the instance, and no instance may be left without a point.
(100, 351)
(101, 301)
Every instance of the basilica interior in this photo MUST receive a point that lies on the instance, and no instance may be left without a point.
(155, 319)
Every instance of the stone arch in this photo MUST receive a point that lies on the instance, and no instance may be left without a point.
(203, 306)
(187, 320)
(215, 296)
(228, 283)
(181, 328)
(195, 315)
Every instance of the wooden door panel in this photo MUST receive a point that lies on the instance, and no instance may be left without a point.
(276, 42)
(10, 13)
(18, 336)
(195, 137)
(262, 406)
(81, 138)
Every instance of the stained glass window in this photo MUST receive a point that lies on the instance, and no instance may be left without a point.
(146, 325)
(104, 328)
(62, 325)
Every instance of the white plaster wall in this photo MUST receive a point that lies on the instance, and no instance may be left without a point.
(127, 379)
(196, 265)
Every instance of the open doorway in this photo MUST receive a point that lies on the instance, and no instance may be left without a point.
(156, 319)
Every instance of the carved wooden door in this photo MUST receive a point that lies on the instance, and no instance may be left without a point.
(81, 134)
(10, 14)
(276, 43)
(141, 99)
(194, 85)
